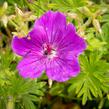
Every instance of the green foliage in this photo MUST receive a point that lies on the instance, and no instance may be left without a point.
(23, 92)
(93, 80)
(105, 31)
(20, 3)
(40, 6)
(68, 5)
(105, 34)
(105, 18)
(57, 89)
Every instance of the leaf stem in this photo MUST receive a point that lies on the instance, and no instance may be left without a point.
(10, 103)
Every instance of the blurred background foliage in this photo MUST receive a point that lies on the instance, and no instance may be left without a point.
(89, 90)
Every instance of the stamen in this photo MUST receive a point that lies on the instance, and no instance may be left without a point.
(49, 51)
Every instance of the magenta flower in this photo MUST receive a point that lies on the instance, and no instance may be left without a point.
(52, 46)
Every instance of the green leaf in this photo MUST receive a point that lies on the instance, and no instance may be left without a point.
(105, 18)
(105, 34)
(56, 89)
(28, 103)
(93, 80)
(40, 85)
(33, 98)
(68, 5)
(38, 92)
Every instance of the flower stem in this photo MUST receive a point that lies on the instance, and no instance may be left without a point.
(10, 103)
(100, 106)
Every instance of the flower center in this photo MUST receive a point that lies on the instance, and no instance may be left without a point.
(49, 51)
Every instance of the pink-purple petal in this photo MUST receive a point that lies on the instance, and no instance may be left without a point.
(31, 67)
(62, 69)
(21, 46)
(54, 24)
(72, 41)
(38, 36)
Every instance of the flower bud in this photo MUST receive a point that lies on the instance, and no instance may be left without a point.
(5, 5)
(97, 25)
(85, 11)
(18, 11)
